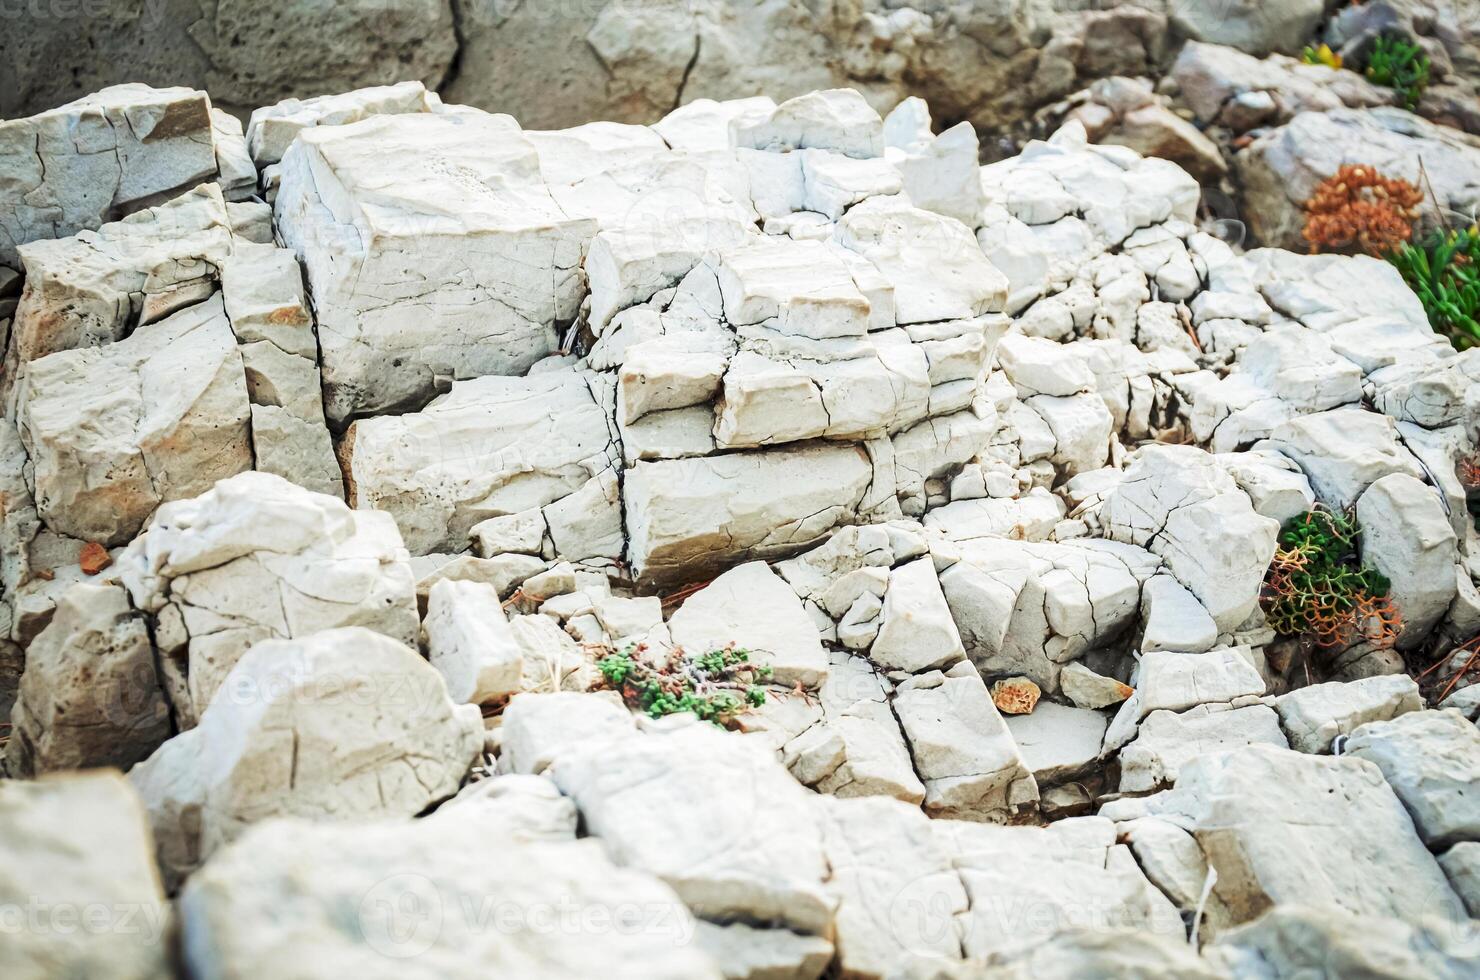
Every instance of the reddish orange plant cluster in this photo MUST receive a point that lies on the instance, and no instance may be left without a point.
(1357, 206)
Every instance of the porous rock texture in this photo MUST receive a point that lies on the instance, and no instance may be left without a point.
(739, 534)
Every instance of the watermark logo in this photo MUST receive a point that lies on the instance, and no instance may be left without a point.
(37, 917)
(402, 916)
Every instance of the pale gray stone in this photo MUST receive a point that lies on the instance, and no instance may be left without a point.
(1058, 743)
(1314, 716)
(46, 870)
(962, 749)
(433, 876)
(1432, 761)
(102, 156)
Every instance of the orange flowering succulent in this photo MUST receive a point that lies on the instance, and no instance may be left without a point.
(1359, 206)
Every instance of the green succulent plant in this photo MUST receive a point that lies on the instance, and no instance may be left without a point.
(1399, 64)
(1445, 275)
(1317, 587)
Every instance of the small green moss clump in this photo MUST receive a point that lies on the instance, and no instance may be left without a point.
(715, 686)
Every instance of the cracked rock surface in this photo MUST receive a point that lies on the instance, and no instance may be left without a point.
(731, 531)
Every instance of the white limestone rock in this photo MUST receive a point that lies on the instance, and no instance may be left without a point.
(752, 608)
(1072, 874)
(1166, 741)
(420, 246)
(1284, 827)
(90, 696)
(1314, 716)
(1058, 743)
(104, 155)
(1088, 689)
(899, 898)
(1462, 864)
(19, 522)
(296, 449)
(539, 728)
(933, 263)
(1031, 517)
(704, 124)
(746, 953)
(1306, 935)
(1343, 452)
(940, 173)
(1171, 858)
(1275, 485)
(858, 719)
(262, 287)
(1105, 950)
(1432, 761)
(739, 839)
(341, 725)
(836, 119)
(506, 573)
(1080, 202)
(962, 749)
(1029, 609)
(916, 631)
(272, 129)
(94, 287)
(470, 643)
(492, 447)
(687, 518)
(126, 933)
(1406, 535)
(414, 894)
(1173, 619)
(625, 619)
(116, 431)
(236, 174)
(529, 806)
(1178, 503)
(257, 558)
(1169, 681)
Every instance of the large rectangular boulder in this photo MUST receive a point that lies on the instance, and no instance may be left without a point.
(685, 516)
(434, 252)
(99, 158)
(493, 447)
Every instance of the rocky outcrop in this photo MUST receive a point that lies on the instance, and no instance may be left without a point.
(1283, 828)
(857, 545)
(90, 161)
(116, 431)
